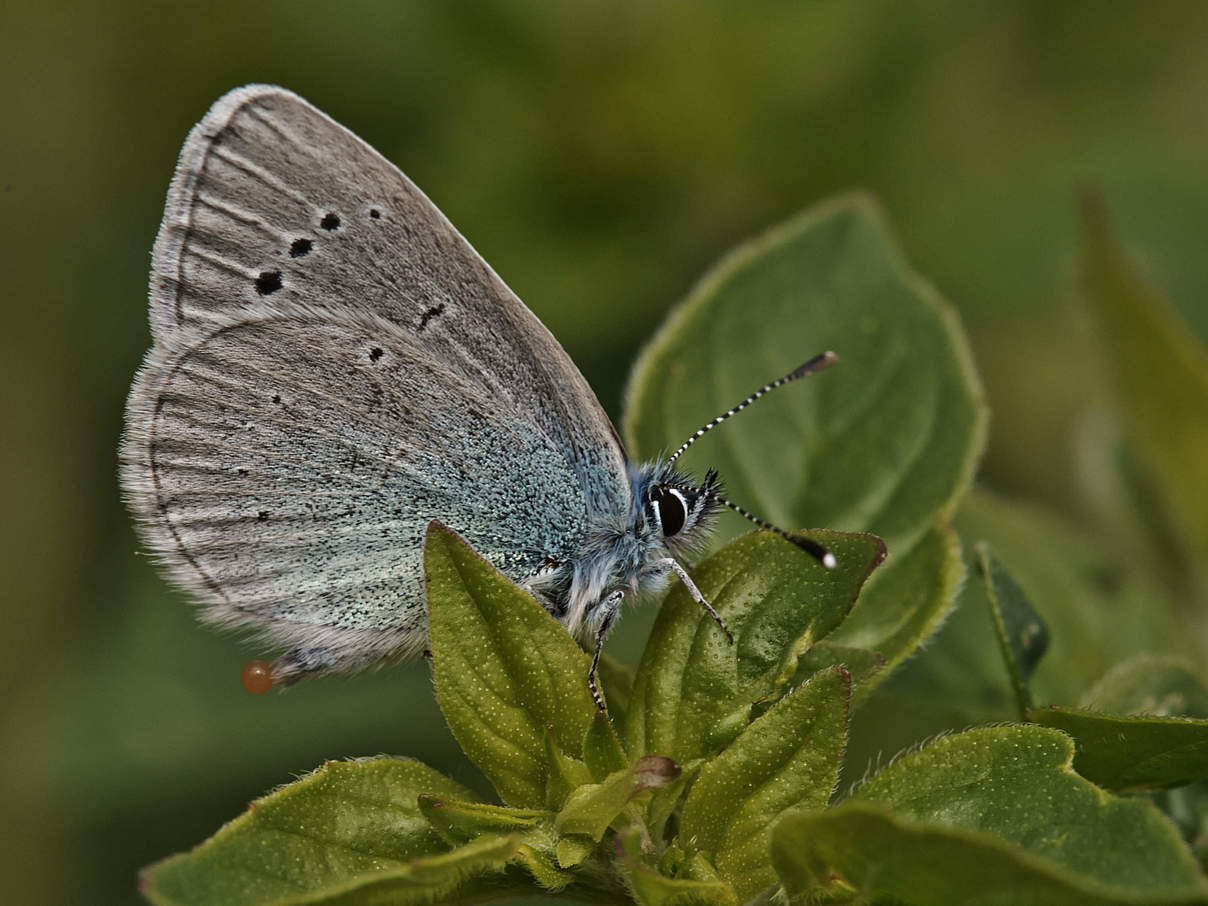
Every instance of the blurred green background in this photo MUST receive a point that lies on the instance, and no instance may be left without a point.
(600, 156)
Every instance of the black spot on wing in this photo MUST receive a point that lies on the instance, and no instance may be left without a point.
(434, 312)
(268, 282)
(300, 247)
(330, 222)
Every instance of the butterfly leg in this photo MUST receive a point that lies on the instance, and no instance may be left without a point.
(672, 564)
(610, 607)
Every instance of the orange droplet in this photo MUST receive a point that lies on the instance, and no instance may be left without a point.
(257, 677)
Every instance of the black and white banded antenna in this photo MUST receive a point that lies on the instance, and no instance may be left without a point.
(814, 365)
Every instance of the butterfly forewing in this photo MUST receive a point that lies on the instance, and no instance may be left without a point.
(273, 200)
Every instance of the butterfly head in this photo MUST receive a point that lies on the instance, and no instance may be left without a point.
(674, 508)
(681, 511)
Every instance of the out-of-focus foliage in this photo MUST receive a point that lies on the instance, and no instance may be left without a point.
(599, 156)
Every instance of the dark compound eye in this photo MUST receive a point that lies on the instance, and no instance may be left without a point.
(672, 510)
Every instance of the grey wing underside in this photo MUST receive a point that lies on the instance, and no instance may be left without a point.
(273, 200)
(286, 473)
(286, 468)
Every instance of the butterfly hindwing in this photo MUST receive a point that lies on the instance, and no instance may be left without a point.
(288, 465)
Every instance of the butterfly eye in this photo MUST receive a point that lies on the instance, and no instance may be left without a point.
(673, 511)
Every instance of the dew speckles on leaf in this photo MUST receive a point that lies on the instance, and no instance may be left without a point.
(330, 222)
(300, 247)
(268, 282)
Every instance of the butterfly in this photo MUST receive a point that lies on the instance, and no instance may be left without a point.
(333, 368)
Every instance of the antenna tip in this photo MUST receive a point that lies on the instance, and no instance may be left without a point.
(817, 363)
(810, 546)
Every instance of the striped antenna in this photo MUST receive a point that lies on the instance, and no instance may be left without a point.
(819, 553)
(817, 363)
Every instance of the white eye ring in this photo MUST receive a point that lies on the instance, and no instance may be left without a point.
(683, 501)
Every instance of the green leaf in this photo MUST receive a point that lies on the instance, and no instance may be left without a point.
(1098, 610)
(1119, 496)
(694, 691)
(346, 821)
(602, 750)
(616, 679)
(572, 850)
(1022, 634)
(861, 664)
(1187, 807)
(475, 871)
(1159, 378)
(788, 758)
(592, 807)
(506, 672)
(566, 773)
(1132, 753)
(680, 880)
(1152, 685)
(459, 821)
(885, 442)
(542, 868)
(1017, 783)
(864, 852)
(903, 603)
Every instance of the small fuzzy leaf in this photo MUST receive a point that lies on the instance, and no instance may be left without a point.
(507, 673)
(459, 821)
(591, 808)
(860, 663)
(542, 868)
(1022, 634)
(602, 750)
(566, 773)
(695, 883)
(788, 758)
(570, 851)
(1132, 753)
(343, 823)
